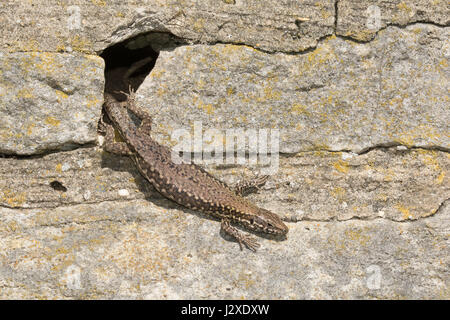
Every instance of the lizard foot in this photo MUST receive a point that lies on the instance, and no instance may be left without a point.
(242, 239)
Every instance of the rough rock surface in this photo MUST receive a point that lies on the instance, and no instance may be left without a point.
(340, 96)
(112, 236)
(90, 25)
(362, 19)
(48, 101)
(358, 90)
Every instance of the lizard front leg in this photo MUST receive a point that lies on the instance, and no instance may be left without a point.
(146, 119)
(242, 238)
(111, 145)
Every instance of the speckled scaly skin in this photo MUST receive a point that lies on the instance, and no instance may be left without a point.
(187, 184)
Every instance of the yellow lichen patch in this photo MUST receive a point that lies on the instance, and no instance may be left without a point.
(47, 63)
(6, 133)
(92, 101)
(382, 197)
(58, 168)
(30, 129)
(341, 166)
(101, 3)
(406, 213)
(411, 136)
(25, 93)
(52, 121)
(80, 44)
(339, 193)
(357, 235)
(440, 178)
(201, 83)
(199, 25)
(208, 108)
(161, 91)
(430, 159)
(269, 94)
(389, 174)
(61, 95)
(31, 45)
(156, 74)
(231, 91)
(403, 6)
(12, 199)
(299, 109)
(61, 48)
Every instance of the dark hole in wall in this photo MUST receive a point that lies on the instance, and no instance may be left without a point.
(126, 67)
(56, 185)
(128, 63)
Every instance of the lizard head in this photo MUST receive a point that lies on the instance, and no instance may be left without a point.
(267, 222)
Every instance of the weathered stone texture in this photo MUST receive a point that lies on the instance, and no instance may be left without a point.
(318, 186)
(340, 96)
(362, 19)
(130, 247)
(90, 26)
(96, 254)
(48, 101)
(363, 178)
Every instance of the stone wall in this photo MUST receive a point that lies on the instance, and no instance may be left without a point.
(357, 89)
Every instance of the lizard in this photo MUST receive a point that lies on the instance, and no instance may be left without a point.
(185, 183)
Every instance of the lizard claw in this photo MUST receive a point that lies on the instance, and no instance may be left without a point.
(249, 242)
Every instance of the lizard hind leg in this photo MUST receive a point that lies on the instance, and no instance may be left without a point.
(245, 187)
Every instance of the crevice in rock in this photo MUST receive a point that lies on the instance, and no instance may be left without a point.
(369, 219)
(336, 15)
(128, 63)
(382, 146)
(329, 36)
(440, 207)
(58, 186)
(66, 148)
(127, 67)
(389, 145)
(390, 25)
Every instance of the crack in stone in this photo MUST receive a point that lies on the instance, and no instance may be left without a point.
(336, 16)
(286, 218)
(326, 37)
(71, 204)
(440, 207)
(64, 148)
(368, 219)
(384, 146)
(391, 145)
(390, 25)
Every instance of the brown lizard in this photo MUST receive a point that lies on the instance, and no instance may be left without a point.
(187, 184)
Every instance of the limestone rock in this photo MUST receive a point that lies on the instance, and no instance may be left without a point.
(362, 19)
(49, 101)
(340, 96)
